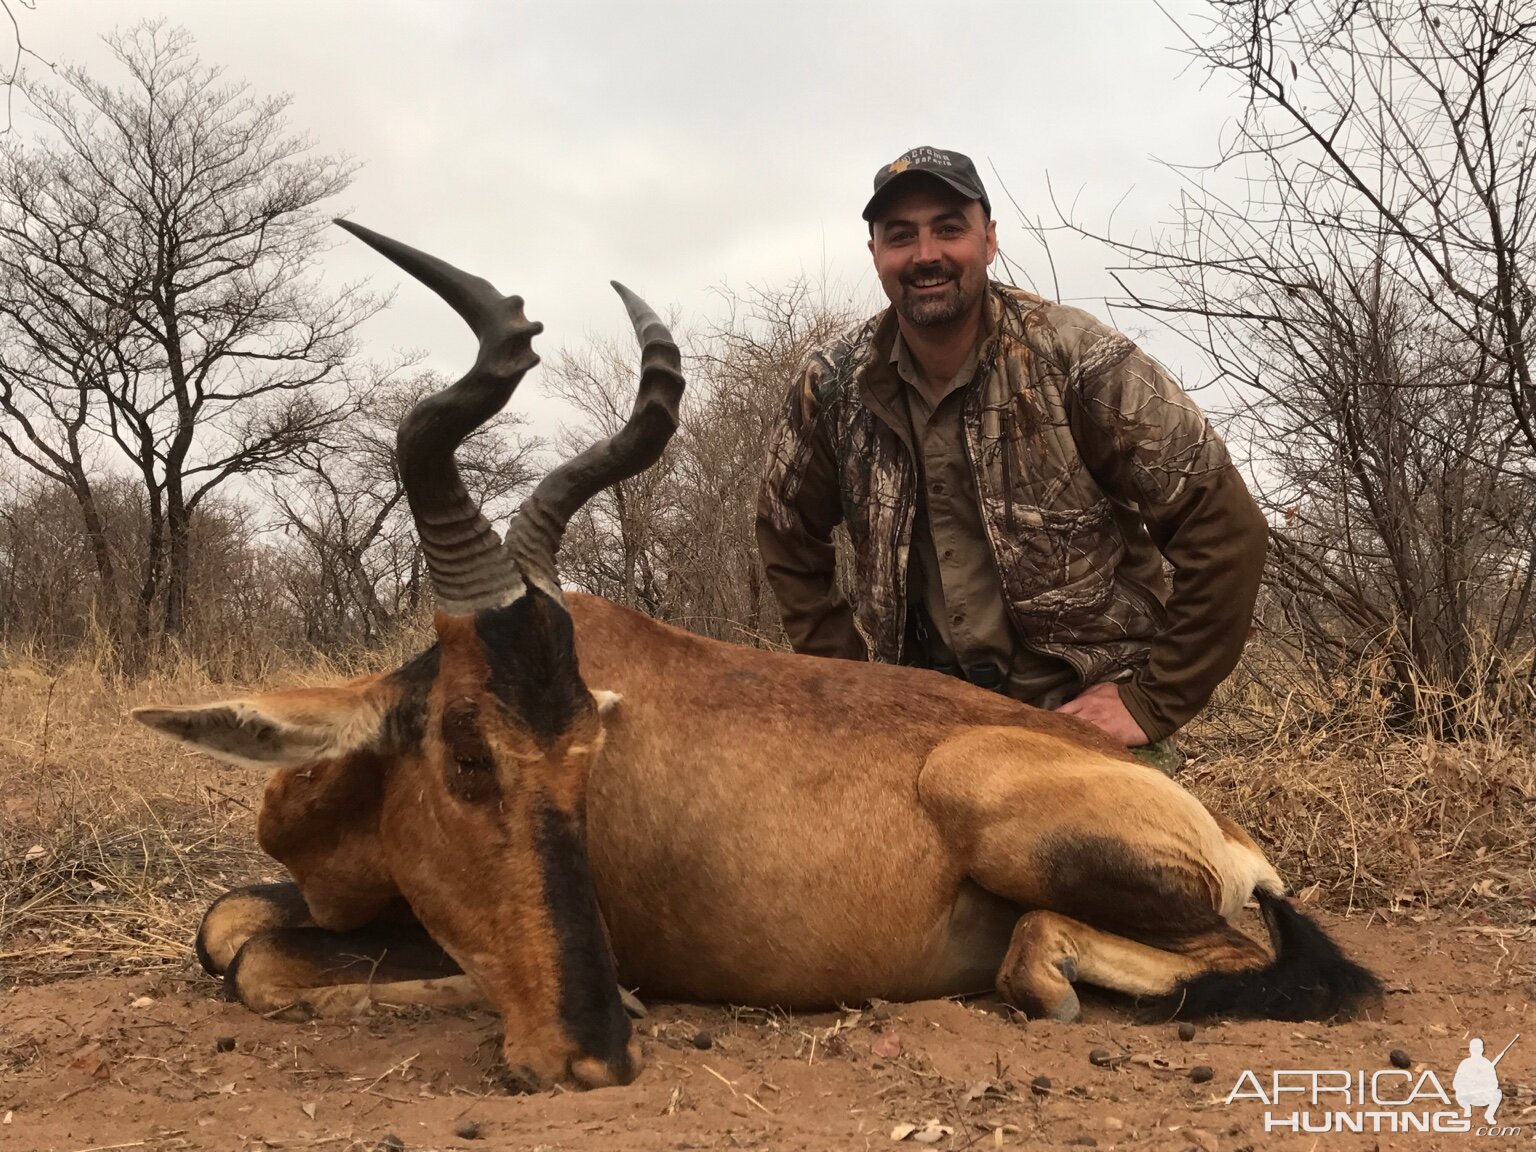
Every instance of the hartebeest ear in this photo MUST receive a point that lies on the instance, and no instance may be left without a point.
(276, 729)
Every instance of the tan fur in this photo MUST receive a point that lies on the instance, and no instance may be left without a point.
(1044, 943)
(232, 921)
(744, 845)
(763, 828)
(469, 870)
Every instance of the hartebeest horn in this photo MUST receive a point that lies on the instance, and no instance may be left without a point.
(534, 536)
(464, 555)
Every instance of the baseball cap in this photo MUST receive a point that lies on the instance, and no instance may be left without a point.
(953, 168)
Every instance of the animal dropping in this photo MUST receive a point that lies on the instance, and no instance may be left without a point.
(561, 794)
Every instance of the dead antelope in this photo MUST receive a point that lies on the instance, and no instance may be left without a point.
(718, 823)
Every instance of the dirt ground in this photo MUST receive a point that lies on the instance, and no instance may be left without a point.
(158, 1061)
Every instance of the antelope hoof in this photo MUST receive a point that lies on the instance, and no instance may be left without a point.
(1035, 982)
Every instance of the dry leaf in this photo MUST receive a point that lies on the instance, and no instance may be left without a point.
(932, 1132)
(902, 1131)
(309, 1110)
(34, 853)
(92, 1065)
(983, 1089)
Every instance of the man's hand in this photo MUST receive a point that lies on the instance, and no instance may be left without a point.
(1100, 705)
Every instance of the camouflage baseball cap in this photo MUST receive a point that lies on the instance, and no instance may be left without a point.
(951, 167)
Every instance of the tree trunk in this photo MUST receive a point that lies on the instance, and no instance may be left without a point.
(178, 571)
(107, 604)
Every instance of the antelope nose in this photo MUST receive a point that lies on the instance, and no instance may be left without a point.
(595, 1072)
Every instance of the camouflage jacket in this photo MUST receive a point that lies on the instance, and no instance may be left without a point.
(1079, 444)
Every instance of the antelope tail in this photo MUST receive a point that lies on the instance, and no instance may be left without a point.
(1310, 978)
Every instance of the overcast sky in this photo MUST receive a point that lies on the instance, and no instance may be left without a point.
(680, 146)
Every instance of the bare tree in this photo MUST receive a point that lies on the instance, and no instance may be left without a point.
(677, 541)
(616, 545)
(10, 70)
(236, 619)
(158, 305)
(742, 367)
(1360, 264)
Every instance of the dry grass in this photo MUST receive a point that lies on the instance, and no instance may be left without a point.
(113, 841)
(1358, 815)
(1395, 826)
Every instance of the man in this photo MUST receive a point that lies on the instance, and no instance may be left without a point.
(1012, 474)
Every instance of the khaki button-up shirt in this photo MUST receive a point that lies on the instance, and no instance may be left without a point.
(953, 577)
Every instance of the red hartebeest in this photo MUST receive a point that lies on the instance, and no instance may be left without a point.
(716, 822)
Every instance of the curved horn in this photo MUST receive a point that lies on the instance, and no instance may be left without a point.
(464, 555)
(535, 534)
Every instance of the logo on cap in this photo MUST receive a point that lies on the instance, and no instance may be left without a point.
(952, 168)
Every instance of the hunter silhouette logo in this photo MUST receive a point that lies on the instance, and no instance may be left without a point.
(1476, 1082)
(1318, 1100)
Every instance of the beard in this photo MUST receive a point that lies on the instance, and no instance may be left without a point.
(934, 309)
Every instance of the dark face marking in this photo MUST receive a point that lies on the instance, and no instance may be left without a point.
(589, 1000)
(471, 775)
(406, 723)
(530, 647)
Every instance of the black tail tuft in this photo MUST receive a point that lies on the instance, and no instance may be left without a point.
(1310, 978)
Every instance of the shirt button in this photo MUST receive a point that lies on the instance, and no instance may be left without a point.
(949, 553)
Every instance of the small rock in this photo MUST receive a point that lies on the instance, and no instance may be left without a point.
(390, 1143)
(467, 1130)
(877, 1010)
(1186, 1031)
(1113, 1123)
(142, 1002)
(1400, 1059)
(1040, 1085)
(1201, 1073)
(886, 1046)
(703, 1041)
(224, 1044)
(1100, 1057)
(1084, 1141)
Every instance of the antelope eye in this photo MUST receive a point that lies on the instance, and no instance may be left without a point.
(463, 738)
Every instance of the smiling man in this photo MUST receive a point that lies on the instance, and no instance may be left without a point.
(1013, 473)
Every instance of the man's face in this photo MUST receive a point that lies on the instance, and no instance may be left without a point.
(932, 248)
